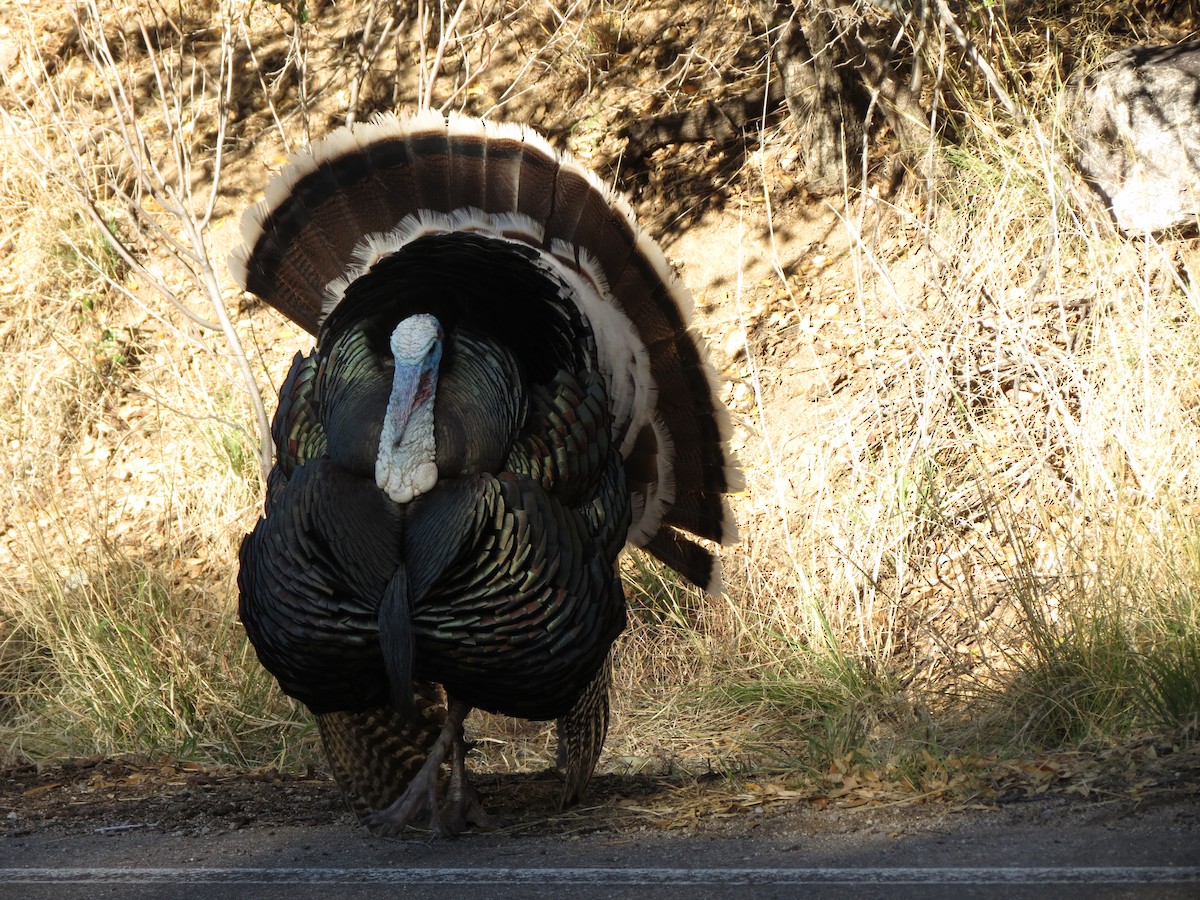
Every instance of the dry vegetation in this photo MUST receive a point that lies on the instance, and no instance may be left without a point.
(968, 411)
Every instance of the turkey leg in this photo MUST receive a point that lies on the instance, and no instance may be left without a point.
(421, 795)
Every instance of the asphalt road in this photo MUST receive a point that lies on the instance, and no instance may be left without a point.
(1050, 851)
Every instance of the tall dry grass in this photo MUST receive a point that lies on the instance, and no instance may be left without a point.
(969, 431)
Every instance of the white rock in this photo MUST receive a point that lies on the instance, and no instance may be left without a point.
(1136, 121)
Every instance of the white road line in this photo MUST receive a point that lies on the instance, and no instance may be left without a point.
(614, 876)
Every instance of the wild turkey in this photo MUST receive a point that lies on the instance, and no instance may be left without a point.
(504, 391)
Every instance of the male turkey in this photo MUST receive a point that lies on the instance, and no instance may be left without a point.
(504, 391)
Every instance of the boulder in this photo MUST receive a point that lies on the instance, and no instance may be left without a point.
(1136, 122)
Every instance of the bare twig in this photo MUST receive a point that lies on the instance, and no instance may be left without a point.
(367, 55)
(446, 29)
(950, 23)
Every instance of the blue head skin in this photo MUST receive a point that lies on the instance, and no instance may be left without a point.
(406, 465)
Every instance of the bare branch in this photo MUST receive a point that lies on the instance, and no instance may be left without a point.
(445, 35)
(155, 139)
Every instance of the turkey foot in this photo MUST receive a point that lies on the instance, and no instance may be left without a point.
(463, 806)
(421, 795)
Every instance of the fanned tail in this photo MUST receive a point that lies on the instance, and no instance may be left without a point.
(361, 194)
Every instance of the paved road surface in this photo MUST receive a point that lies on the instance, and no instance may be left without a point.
(1053, 852)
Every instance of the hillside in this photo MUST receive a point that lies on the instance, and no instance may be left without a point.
(966, 407)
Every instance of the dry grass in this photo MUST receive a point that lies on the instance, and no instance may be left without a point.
(968, 418)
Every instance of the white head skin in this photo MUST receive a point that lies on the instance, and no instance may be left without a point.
(406, 465)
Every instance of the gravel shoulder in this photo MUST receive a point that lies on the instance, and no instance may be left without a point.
(117, 813)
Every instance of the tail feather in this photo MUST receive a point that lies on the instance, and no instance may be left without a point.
(539, 171)
(469, 174)
(581, 734)
(505, 155)
(695, 563)
(571, 190)
(429, 156)
(692, 512)
(364, 202)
